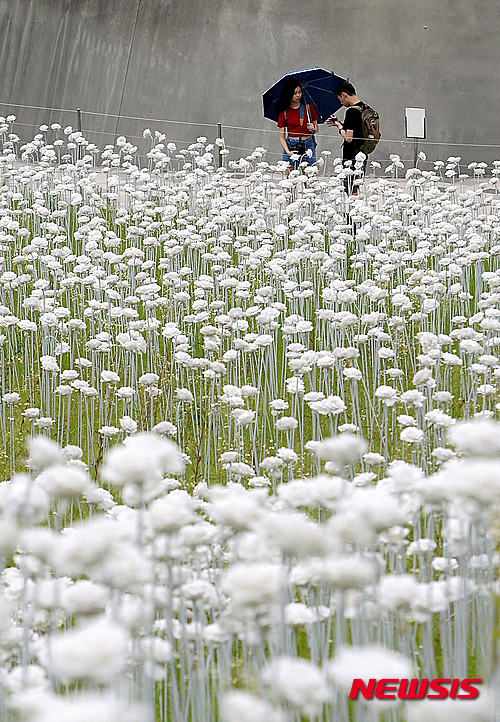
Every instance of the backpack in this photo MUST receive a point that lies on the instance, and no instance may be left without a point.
(370, 121)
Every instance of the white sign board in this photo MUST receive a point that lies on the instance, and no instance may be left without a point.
(415, 122)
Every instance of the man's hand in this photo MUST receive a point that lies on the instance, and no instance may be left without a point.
(333, 121)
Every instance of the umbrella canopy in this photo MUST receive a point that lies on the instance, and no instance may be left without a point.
(318, 89)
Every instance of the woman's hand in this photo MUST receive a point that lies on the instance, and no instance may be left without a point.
(312, 127)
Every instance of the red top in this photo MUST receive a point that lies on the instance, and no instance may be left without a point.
(292, 122)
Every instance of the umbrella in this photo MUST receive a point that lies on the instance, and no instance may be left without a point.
(318, 89)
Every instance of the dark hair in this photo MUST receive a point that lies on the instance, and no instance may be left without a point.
(287, 91)
(345, 87)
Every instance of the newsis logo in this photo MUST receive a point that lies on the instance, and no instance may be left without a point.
(415, 688)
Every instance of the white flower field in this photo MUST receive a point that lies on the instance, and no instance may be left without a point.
(249, 435)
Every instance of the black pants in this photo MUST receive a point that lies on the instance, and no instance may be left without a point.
(349, 185)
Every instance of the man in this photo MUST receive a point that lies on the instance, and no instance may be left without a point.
(351, 130)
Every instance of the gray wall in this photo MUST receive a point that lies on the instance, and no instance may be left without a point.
(208, 61)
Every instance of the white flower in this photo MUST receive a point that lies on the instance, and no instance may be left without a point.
(32, 413)
(297, 614)
(240, 706)
(12, 398)
(295, 385)
(243, 417)
(342, 450)
(347, 572)
(108, 431)
(365, 663)
(65, 481)
(294, 535)
(110, 377)
(165, 428)
(128, 424)
(372, 458)
(184, 395)
(413, 397)
(387, 394)
(299, 683)
(331, 405)
(96, 652)
(254, 584)
(411, 435)
(87, 706)
(479, 438)
(476, 479)
(44, 422)
(142, 458)
(49, 363)
(172, 512)
(43, 453)
(481, 709)
(397, 591)
(235, 507)
(149, 379)
(422, 377)
(85, 597)
(439, 419)
(286, 423)
(288, 455)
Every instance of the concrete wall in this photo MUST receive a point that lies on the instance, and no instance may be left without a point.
(208, 61)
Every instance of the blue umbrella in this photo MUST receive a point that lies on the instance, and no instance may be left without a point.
(318, 89)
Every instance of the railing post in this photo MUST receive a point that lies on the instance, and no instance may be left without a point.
(79, 120)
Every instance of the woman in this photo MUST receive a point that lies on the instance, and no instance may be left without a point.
(296, 121)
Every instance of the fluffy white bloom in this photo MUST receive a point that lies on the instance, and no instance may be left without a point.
(331, 405)
(23, 499)
(295, 385)
(128, 424)
(299, 683)
(108, 431)
(297, 614)
(342, 450)
(411, 435)
(347, 572)
(243, 417)
(475, 479)
(479, 438)
(110, 377)
(286, 423)
(480, 709)
(235, 507)
(49, 363)
(68, 482)
(294, 535)
(184, 395)
(43, 453)
(239, 706)
(96, 652)
(149, 379)
(172, 512)
(365, 514)
(387, 394)
(85, 597)
(396, 591)
(142, 458)
(12, 398)
(98, 707)
(365, 663)
(439, 419)
(372, 458)
(254, 584)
